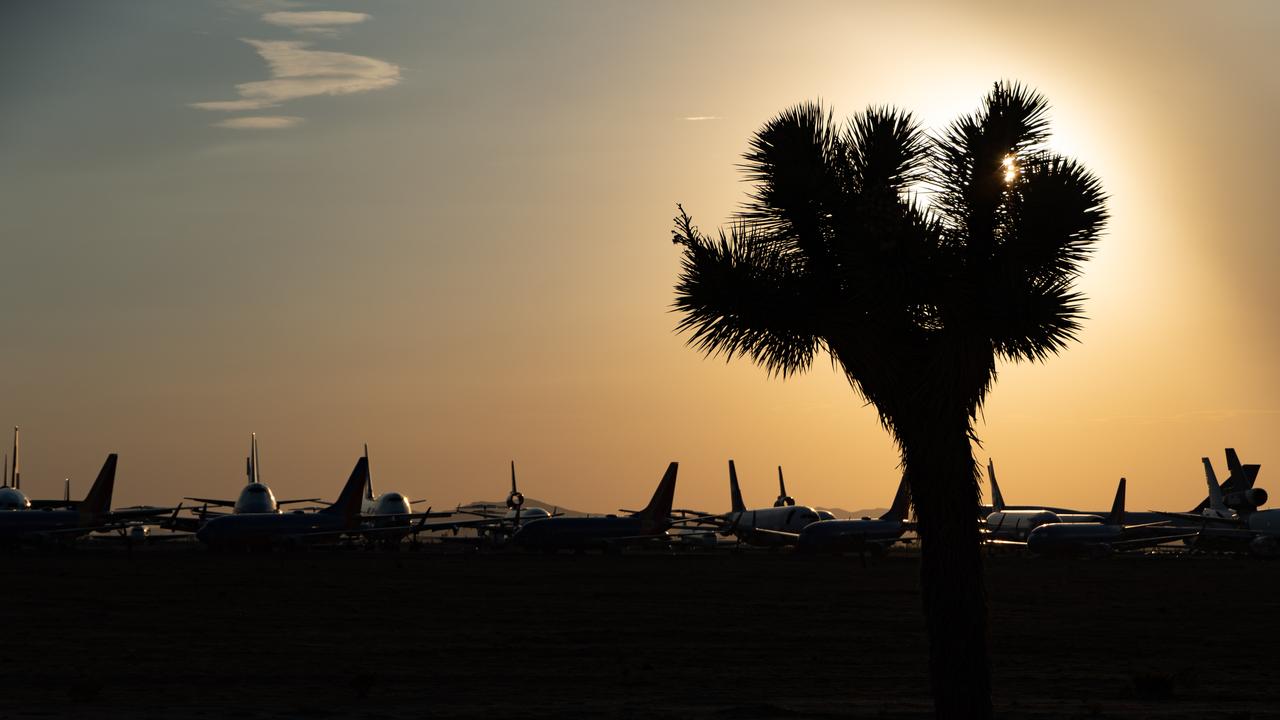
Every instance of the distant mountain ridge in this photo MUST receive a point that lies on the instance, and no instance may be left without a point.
(842, 514)
(529, 503)
(550, 507)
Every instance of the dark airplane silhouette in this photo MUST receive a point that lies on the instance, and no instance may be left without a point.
(265, 530)
(604, 533)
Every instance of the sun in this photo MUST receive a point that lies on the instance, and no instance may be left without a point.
(1010, 168)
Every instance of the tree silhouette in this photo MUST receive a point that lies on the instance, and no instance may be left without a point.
(913, 302)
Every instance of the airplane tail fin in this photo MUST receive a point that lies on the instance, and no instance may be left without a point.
(657, 514)
(1240, 479)
(251, 462)
(901, 501)
(997, 500)
(735, 493)
(1215, 491)
(1117, 508)
(98, 502)
(1242, 476)
(348, 503)
(368, 486)
(784, 500)
(15, 480)
(1234, 467)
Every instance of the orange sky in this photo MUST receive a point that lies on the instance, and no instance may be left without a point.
(449, 238)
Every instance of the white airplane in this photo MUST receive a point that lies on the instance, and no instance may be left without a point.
(11, 495)
(777, 525)
(386, 517)
(1016, 522)
(93, 514)
(1232, 521)
(256, 496)
(1100, 539)
(492, 523)
(854, 535)
(13, 498)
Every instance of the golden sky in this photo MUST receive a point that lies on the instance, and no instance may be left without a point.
(443, 229)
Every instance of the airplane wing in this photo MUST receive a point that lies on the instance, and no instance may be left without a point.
(292, 502)
(1146, 542)
(411, 516)
(1220, 522)
(774, 536)
(719, 521)
(138, 512)
(212, 501)
(52, 504)
(183, 524)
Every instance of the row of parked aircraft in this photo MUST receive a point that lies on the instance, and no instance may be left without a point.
(1228, 519)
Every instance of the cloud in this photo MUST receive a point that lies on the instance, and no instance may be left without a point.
(315, 21)
(1196, 416)
(297, 72)
(700, 118)
(260, 122)
(261, 6)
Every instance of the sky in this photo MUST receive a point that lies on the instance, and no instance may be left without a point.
(444, 229)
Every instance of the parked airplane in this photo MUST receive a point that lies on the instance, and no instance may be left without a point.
(1246, 529)
(1006, 522)
(605, 533)
(516, 513)
(92, 513)
(1098, 539)
(860, 535)
(777, 525)
(256, 496)
(265, 530)
(11, 495)
(388, 518)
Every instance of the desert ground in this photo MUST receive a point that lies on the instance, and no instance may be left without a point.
(179, 632)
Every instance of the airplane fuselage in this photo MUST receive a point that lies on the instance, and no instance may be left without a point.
(13, 499)
(1018, 524)
(18, 525)
(1073, 538)
(256, 498)
(266, 529)
(583, 533)
(849, 535)
(786, 519)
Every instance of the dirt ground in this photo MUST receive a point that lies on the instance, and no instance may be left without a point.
(178, 632)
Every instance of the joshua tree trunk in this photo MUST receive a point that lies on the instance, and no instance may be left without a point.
(944, 489)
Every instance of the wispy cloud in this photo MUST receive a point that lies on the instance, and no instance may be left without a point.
(700, 118)
(260, 122)
(1197, 416)
(261, 6)
(297, 72)
(326, 22)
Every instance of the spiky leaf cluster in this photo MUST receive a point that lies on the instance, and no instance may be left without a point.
(833, 251)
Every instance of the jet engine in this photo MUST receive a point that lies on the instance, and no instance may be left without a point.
(1264, 546)
(1100, 550)
(1246, 500)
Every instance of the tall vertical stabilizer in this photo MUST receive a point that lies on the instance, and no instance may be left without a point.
(17, 467)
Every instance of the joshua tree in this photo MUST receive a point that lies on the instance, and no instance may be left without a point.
(914, 302)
